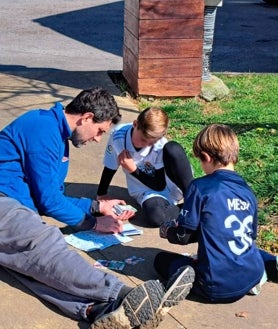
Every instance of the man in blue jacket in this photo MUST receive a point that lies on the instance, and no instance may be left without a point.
(34, 158)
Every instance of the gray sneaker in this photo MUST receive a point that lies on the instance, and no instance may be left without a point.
(138, 308)
(176, 289)
(178, 286)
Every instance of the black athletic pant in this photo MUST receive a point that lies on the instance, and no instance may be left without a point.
(157, 210)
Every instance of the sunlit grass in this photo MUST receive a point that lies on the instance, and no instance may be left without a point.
(251, 110)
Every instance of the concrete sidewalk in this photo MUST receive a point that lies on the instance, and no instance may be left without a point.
(20, 309)
(52, 50)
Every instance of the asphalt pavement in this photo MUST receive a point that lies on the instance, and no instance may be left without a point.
(50, 51)
(86, 35)
(246, 37)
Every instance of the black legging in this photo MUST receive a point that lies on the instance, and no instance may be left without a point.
(177, 165)
(157, 210)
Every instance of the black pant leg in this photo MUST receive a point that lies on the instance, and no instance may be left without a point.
(177, 165)
(157, 210)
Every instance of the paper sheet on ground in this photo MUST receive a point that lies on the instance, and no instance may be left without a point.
(90, 240)
(130, 229)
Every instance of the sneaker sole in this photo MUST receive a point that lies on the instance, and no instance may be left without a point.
(138, 309)
(179, 286)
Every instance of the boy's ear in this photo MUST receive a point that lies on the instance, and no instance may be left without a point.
(206, 157)
(134, 123)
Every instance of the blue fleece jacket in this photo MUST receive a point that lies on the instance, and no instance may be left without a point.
(34, 159)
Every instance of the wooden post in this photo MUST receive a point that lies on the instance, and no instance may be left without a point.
(163, 47)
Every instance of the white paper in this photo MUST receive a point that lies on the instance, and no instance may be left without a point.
(90, 240)
(129, 229)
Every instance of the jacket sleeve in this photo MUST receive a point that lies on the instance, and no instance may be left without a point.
(48, 193)
(45, 170)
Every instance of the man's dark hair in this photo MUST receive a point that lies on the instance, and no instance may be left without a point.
(98, 101)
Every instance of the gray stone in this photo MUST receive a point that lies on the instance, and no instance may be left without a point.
(213, 89)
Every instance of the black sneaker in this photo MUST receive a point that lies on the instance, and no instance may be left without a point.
(271, 268)
(138, 308)
(178, 286)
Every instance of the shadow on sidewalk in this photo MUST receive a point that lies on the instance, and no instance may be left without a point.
(101, 26)
(62, 78)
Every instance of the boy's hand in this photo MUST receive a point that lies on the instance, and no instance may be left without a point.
(165, 226)
(126, 161)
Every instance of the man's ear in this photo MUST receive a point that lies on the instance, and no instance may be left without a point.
(134, 123)
(84, 118)
(87, 117)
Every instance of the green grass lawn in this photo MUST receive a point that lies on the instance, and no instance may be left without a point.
(251, 110)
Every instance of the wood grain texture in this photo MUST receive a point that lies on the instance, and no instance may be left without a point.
(163, 46)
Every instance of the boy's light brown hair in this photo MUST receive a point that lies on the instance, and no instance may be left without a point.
(219, 142)
(153, 122)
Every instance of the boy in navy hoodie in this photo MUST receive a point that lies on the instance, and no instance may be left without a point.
(220, 214)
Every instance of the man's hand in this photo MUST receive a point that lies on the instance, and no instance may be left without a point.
(165, 227)
(108, 224)
(106, 208)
